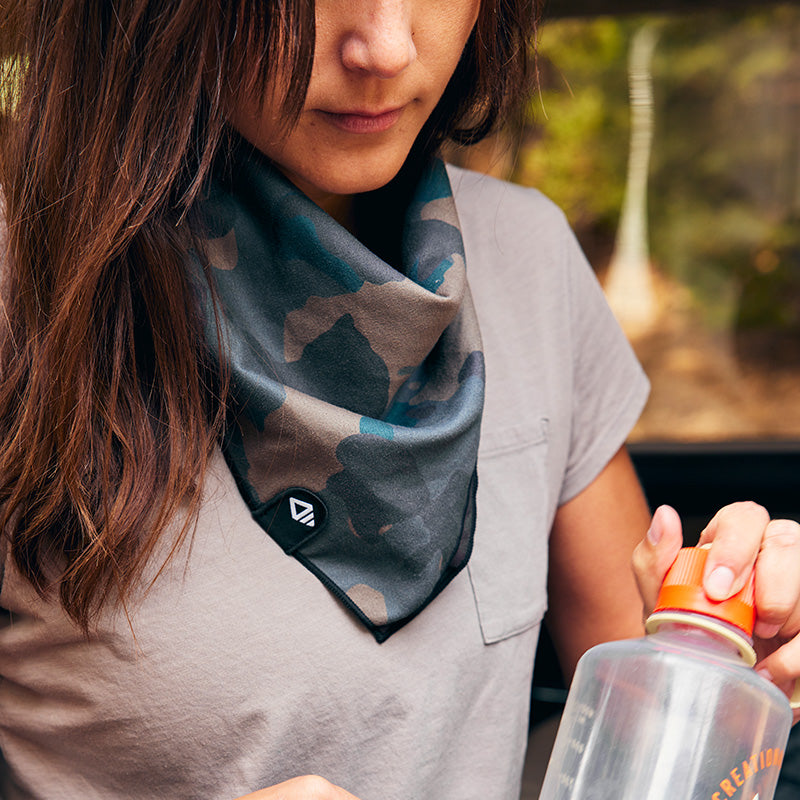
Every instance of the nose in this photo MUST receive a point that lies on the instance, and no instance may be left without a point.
(381, 42)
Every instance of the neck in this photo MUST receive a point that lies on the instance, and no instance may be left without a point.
(338, 206)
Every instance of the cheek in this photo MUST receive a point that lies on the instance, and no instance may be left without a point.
(258, 117)
(445, 39)
(475, 10)
(469, 13)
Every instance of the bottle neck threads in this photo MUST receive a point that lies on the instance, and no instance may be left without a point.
(722, 630)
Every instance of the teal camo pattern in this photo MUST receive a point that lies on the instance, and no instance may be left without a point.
(354, 380)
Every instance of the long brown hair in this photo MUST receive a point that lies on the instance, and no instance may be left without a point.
(110, 118)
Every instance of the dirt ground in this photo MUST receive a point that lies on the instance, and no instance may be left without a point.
(714, 385)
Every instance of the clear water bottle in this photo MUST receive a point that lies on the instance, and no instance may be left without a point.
(678, 714)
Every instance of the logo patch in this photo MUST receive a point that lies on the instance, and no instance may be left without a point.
(301, 511)
(292, 517)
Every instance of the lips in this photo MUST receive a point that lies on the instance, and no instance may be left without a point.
(361, 122)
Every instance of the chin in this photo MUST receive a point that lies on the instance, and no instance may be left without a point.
(364, 178)
(321, 188)
(368, 184)
(360, 170)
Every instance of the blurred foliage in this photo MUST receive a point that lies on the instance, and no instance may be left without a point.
(727, 139)
(580, 140)
(724, 187)
(11, 69)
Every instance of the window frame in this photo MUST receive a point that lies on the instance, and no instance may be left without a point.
(697, 478)
(591, 8)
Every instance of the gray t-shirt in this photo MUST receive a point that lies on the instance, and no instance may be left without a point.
(237, 669)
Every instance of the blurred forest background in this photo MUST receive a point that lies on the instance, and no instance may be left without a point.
(672, 142)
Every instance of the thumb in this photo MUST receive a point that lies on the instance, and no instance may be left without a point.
(654, 555)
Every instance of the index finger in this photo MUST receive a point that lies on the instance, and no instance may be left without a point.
(735, 534)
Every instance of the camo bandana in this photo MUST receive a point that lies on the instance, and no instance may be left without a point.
(357, 389)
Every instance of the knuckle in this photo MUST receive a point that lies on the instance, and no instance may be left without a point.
(639, 559)
(783, 533)
(746, 507)
(782, 664)
(775, 610)
(315, 787)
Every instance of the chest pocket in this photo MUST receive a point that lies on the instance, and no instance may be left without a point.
(508, 567)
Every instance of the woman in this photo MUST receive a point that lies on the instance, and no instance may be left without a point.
(243, 384)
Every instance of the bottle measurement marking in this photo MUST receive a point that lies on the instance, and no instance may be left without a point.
(577, 745)
(584, 712)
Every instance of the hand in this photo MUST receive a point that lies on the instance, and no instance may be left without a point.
(742, 537)
(304, 787)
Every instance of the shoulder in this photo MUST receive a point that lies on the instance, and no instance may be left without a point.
(514, 233)
(505, 210)
(517, 242)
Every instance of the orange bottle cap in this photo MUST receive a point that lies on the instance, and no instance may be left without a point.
(682, 590)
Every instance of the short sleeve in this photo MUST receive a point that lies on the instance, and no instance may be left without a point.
(556, 358)
(609, 386)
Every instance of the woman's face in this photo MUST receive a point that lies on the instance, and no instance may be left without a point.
(380, 67)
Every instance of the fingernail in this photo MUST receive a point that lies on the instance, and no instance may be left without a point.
(791, 688)
(766, 630)
(764, 673)
(718, 584)
(794, 696)
(656, 530)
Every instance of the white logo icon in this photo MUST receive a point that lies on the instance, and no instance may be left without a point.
(301, 511)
